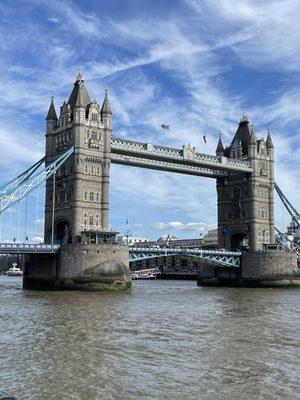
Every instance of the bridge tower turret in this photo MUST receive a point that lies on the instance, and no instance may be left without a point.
(246, 201)
(82, 183)
(51, 125)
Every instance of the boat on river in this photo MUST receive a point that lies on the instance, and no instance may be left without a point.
(143, 276)
(14, 271)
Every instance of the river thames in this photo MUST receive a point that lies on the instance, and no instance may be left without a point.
(162, 340)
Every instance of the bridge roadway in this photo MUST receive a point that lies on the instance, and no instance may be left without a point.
(221, 257)
(184, 161)
(28, 248)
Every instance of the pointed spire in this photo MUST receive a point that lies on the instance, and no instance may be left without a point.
(106, 110)
(269, 141)
(79, 78)
(244, 118)
(79, 96)
(220, 147)
(252, 137)
(51, 116)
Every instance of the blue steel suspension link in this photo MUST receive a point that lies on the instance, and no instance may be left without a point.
(29, 184)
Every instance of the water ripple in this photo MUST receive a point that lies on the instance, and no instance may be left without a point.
(163, 340)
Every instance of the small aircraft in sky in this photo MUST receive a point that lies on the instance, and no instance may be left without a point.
(165, 127)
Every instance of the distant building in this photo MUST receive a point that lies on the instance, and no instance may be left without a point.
(210, 240)
(131, 240)
(172, 241)
(294, 230)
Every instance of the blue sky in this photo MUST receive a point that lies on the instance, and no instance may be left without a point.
(194, 64)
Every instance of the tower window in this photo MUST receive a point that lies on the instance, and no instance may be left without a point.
(97, 197)
(92, 170)
(91, 196)
(85, 169)
(85, 196)
(236, 194)
(94, 135)
(94, 117)
(91, 220)
(62, 196)
(98, 171)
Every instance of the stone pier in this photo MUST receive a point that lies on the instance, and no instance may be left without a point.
(258, 269)
(93, 267)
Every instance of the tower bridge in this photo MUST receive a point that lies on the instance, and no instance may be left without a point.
(79, 151)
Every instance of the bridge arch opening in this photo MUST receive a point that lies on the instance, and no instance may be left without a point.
(239, 241)
(62, 232)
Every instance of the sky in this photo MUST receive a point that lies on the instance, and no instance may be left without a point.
(196, 65)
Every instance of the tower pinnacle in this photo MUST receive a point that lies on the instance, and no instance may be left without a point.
(51, 116)
(79, 77)
(79, 96)
(220, 147)
(269, 141)
(106, 109)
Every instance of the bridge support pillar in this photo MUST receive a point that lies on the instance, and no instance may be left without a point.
(258, 269)
(270, 269)
(94, 267)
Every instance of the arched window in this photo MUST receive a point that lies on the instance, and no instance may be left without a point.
(236, 194)
(92, 170)
(98, 170)
(85, 195)
(85, 169)
(97, 197)
(91, 220)
(91, 196)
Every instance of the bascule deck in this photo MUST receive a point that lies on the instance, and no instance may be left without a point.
(28, 248)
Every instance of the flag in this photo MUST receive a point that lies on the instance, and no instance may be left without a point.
(165, 127)
(204, 138)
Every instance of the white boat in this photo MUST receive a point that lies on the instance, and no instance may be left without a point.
(14, 271)
(143, 276)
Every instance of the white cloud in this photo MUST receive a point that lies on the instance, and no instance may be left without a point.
(197, 100)
(84, 23)
(180, 226)
(268, 31)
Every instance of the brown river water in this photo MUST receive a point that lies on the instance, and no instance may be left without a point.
(162, 340)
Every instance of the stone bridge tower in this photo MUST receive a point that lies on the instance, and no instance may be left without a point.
(82, 183)
(246, 201)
